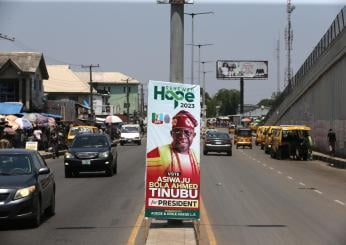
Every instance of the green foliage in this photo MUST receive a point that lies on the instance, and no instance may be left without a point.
(228, 100)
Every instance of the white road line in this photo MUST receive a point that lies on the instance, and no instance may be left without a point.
(264, 165)
(340, 202)
(259, 161)
(271, 168)
(301, 183)
(279, 172)
(289, 177)
(254, 159)
(319, 192)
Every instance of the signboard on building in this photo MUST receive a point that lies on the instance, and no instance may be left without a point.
(235, 69)
(173, 151)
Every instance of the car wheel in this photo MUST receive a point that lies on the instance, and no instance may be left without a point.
(110, 171)
(205, 152)
(51, 209)
(279, 154)
(68, 173)
(139, 142)
(229, 153)
(121, 143)
(236, 146)
(272, 154)
(36, 220)
(250, 146)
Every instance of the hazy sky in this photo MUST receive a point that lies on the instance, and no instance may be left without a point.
(132, 37)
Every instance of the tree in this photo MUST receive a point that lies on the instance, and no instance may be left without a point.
(228, 101)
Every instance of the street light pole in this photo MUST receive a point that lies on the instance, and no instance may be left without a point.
(199, 59)
(203, 94)
(192, 40)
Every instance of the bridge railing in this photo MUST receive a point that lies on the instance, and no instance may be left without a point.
(336, 28)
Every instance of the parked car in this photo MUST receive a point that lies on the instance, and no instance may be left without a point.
(217, 142)
(27, 186)
(130, 133)
(91, 152)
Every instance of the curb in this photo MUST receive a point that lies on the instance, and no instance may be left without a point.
(334, 161)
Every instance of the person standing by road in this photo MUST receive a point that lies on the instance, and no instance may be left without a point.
(331, 142)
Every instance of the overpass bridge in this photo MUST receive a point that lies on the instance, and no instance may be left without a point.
(316, 96)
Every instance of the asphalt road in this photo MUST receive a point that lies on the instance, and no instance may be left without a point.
(248, 198)
(90, 209)
(253, 199)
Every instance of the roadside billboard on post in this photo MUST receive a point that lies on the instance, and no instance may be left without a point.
(173, 151)
(236, 69)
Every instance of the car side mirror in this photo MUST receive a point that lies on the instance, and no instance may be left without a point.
(43, 171)
(114, 144)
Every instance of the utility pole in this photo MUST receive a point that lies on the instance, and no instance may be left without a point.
(278, 67)
(7, 38)
(192, 41)
(289, 41)
(142, 101)
(91, 90)
(127, 98)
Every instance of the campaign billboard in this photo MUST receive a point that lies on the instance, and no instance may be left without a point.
(235, 69)
(172, 184)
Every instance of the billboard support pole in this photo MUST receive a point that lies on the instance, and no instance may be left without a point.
(177, 43)
(241, 96)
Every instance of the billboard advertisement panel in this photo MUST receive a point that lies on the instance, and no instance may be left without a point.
(235, 69)
(173, 151)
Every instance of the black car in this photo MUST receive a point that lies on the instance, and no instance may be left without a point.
(91, 152)
(217, 142)
(27, 186)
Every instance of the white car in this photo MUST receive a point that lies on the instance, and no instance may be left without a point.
(130, 133)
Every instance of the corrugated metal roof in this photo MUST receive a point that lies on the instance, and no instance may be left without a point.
(25, 61)
(107, 77)
(63, 80)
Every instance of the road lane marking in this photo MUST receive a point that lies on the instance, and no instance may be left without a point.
(259, 161)
(319, 192)
(204, 217)
(136, 228)
(301, 183)
(279, 172)
(254, 159)
(264, 165)
(271, 168)
(340, 202)
(289, 177)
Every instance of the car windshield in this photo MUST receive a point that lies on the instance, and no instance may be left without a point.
(244, 133)
(217, 135)
(13, 164)
(129, 130)
(88, 141)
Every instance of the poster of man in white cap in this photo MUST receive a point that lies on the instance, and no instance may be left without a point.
(173, 151)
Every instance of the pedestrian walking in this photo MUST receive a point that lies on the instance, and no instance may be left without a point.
(331, 141)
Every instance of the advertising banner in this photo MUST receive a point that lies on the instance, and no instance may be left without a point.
(235, 69)
(173, 151)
